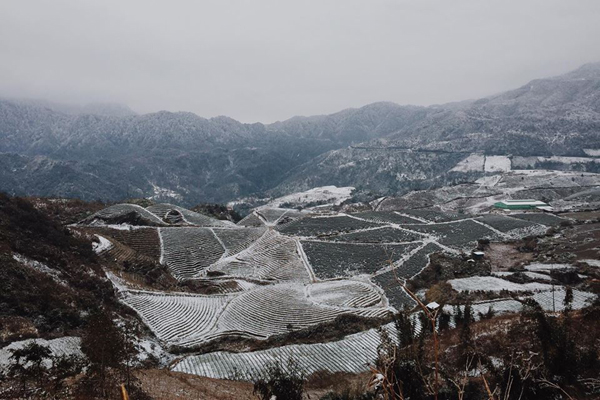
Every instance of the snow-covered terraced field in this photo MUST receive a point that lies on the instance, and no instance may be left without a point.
(142, 240)
(345, 293)
(494, 284)
(125, 213)
(433, 216)
(188, 251)
(555, 300)
(315, 226)
(189, 217)
(174, 317)
(252, 220)
(187, 320)
(457, 234)
(237, 240)
(352, 354)
(387, 217)
(272, 257)
(540, 218)
(332, 259)
(504, 224)
(385, 234)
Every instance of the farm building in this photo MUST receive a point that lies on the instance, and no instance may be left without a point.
(526, 204)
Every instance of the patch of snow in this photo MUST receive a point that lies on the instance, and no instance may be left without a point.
(592, 152)
(332, 195)
(593, 263)
(474, 162)
(493, 284)
(536, 267)
(65, 346)
(537, 275)
(161, 193)
(41, 267)
(102, 245)
(497, 164)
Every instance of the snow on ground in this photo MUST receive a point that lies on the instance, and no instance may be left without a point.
(352, 354)
(161, 193)
(102, 245)
(592, 152)
(537, 267)
(497, 164)
(593, 263)
(41, 267)
(537, 275)
(328, 194)
(489, 181)
(65, 346)
(493, 284)
(473, 162)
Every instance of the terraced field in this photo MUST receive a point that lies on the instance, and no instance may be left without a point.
(331, 260)
(176, 317)
(390, 281)
(129, 213)
(252, 220)
(165, 211)
(352, 354)
(505, 224)
(188, 251)
(280, 271)
(143, 240)
(316, 226)
(385, 234)
(387, 217)
(272, 257)
(187, 320)
(459, 234)
(433, 216)
(237, 240)
(540, 218)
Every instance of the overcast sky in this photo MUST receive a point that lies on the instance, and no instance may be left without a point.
(262, 60)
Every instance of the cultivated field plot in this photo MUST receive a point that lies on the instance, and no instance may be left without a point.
(395, 293)
(352, 354)
(143, 240)
(540, 218)
(332, 260)
(345, 293)
(459, 234)
(125, 213)
(271, 215)
(252, 220)
(236, 240)
(165, 210)
(387, 217)
(187, 320)
(406, 269)
(504, 224)
(555, 300)
(315, 226)
(433, 215)
(273, 257)
(385, 234)
(188, 251)
(494, 284)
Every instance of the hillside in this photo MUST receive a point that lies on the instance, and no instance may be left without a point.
(183, 158)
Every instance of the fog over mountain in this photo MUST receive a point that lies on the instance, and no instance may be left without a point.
(270, 60)
(383, 147)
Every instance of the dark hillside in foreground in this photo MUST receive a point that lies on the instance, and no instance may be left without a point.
(49, 276)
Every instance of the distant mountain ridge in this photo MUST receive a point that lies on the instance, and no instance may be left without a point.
(94, 155)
